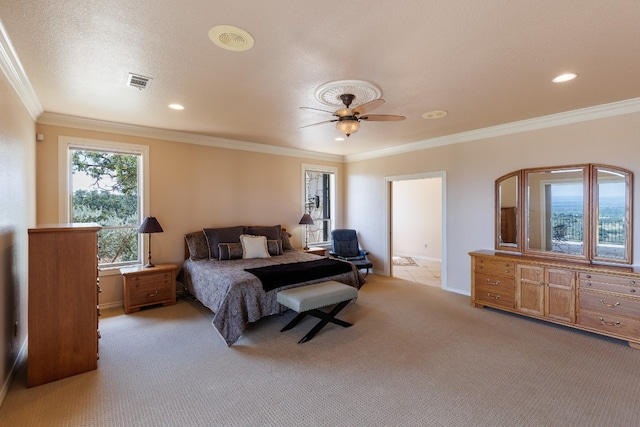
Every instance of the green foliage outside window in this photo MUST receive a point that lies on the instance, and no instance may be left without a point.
(110, 198)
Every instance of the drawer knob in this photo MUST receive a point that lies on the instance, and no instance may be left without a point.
(609, 305)
(588, 276)
(497, 297)
(497, 282)
(152, 294)
(588, 283)
(632, 290)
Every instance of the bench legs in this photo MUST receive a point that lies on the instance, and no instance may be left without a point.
(325, 318)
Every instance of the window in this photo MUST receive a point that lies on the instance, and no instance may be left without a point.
(319, 202)
(104, 184)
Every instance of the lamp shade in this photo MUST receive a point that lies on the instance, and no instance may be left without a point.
(306, 220)
(150, 225)
(348, 126)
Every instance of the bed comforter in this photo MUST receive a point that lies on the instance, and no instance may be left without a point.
(236, 296)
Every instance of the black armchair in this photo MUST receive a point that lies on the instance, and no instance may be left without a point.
(344, 245)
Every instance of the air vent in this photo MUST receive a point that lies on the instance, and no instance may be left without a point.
(136, 80)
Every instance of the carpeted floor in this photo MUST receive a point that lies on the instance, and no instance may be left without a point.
(416, 356)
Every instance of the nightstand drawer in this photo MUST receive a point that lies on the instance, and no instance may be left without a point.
(151, 289)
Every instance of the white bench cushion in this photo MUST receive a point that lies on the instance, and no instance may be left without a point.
(310, 297)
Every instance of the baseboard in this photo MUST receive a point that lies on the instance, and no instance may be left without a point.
(115, 304)
(22, 355)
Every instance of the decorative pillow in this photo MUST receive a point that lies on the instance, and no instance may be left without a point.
(271, 233)
(254, 246)
(197, 244)
(230, 251)
(215, 236)
(274, 247)
(286, 243)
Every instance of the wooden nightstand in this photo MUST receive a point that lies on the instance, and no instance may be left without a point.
(316, 251)
(148, 286)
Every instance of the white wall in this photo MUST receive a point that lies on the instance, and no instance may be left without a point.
(417, 218)
(471, 169)
(17, 214)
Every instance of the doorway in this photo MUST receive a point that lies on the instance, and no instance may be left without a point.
(416, 224)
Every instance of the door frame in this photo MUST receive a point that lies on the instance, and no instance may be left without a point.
(388, 218)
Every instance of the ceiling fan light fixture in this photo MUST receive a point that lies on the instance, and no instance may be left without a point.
(348, 126)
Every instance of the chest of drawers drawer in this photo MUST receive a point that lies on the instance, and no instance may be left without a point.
(603, 282)
(495, 267)
(610, 304)
(611, 324)
(499, 296)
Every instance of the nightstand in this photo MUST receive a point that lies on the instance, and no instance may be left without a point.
(148, 286)
(316, 251)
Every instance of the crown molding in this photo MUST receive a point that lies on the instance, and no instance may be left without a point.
(12, 68)
(575, 116)
(178, 136)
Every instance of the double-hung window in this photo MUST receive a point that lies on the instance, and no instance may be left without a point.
(319, 202)
(103, 182)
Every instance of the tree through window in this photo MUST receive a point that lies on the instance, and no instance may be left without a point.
(106, 190)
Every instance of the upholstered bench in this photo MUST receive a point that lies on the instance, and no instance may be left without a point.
(306, 300)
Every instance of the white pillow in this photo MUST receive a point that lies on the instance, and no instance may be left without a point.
(254, 246)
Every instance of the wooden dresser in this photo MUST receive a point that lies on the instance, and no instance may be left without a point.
(63, 301)
(596, 298)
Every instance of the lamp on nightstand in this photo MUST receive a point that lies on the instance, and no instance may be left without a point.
(306, 220)
(148, 226)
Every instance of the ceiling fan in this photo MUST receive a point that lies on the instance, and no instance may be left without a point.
(348, 119)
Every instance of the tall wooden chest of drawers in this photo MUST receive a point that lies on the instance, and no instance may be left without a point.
(63, 301)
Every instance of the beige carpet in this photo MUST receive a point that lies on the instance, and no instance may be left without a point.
(416, 356)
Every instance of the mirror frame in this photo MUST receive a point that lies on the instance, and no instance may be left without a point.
(499, 244)
(628, 180)
(590, 214)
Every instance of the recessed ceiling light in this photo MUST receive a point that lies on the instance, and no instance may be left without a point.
(434, 114)
(339, 138)
(176, 107)
(231, 38)
(565, 77)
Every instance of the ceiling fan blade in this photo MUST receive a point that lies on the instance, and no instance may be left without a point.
(316, 109)
(319, 123)
(382, 118)
(368, 106)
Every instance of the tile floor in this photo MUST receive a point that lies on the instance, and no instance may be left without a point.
(426, 272)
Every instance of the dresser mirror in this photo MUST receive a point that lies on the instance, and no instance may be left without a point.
(556, 204)
(612, 227)
(579, 212)
(508, 212)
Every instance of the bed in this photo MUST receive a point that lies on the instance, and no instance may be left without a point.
(215, 273)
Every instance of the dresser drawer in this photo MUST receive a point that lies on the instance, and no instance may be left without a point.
(504, 284)
(609, 304)
(495, 295)
(495, 267)
(605, 282)
(610, 324)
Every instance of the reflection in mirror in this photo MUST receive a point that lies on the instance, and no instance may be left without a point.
(507, 214)
(555, 210)
(611, 198)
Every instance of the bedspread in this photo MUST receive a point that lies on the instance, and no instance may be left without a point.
(236, 296)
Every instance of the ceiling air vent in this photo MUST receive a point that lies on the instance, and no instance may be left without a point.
(136, 80)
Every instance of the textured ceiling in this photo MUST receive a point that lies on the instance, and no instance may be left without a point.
(486, 63)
